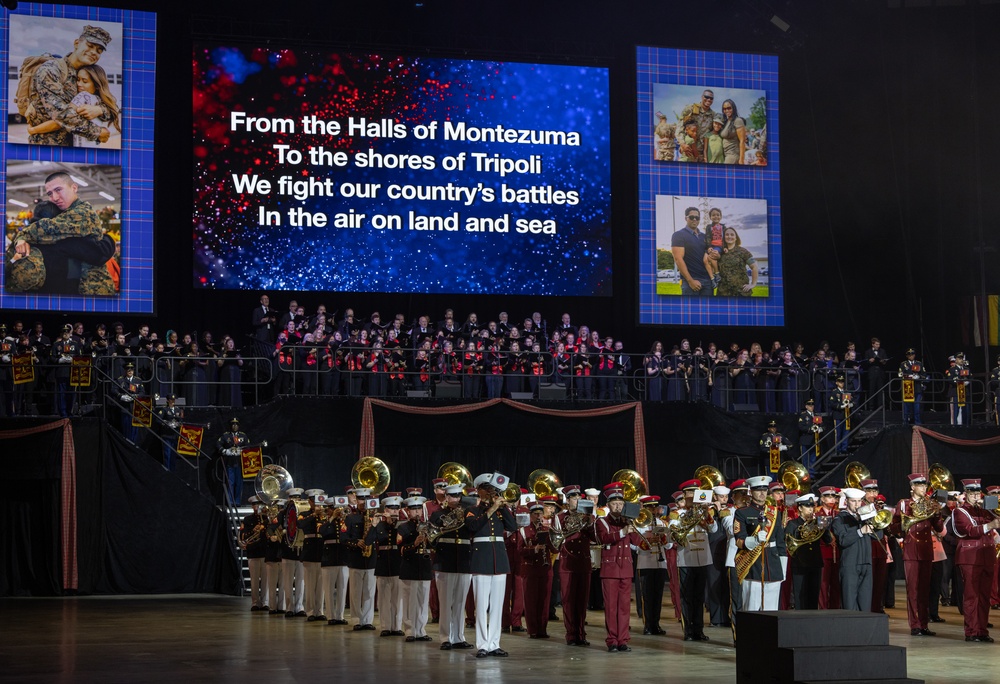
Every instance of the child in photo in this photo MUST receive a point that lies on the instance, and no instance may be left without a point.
(92, 89)
(714, 240)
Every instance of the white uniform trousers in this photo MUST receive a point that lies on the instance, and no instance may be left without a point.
(488, 591)
(752, 591)
(363, 595)
(313, 589)
(416, 595)
(292, 585)
(390, 603)
(335, 591)
(453, 588)
(272, 599)
(258, 591)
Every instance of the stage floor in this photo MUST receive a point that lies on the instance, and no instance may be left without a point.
(209, 638)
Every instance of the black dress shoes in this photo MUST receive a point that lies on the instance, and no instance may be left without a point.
(462, 644)
(982, 638)
(410, 639)
(385, 633)
(446, 646)
(396, 632)
(689, 637)
(646, 631)
(927, 632)
(937, 619)
(612, 648)
(499, 653)
(701, 637)
(481, 653)
(301, 613)
(424, 638)
(518, 628)
(624, 648)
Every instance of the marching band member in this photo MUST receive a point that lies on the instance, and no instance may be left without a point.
(513, 592)
(718, 578)
(776, 490)
(535, 549)
(879, 550)
(292, 575)
(670, 556)
(550, 519)
(693, 558)
(439, 484)
(312, 556)
(596, 600)
(740, 493)
(975, 557)
(333, 565)
(918, 553)
(254, 541)
(452, 559)
(384, 537)
(652, 567)
(575, 567)
(852, 535)
(273, 550)
(617, 535)
(362, 556)
(807, 561)
(415, 570)
(760, 545)
(829, 588)
(487, 523)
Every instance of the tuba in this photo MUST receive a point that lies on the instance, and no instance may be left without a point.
(854, 473)
(633, 486)
(794, 476)
(940, 477)
(543, 482)
(455, 473)
(512, 494)
(271, 483)
(709, 477)
(370, 473)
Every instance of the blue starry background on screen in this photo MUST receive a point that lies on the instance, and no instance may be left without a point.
(570, 254)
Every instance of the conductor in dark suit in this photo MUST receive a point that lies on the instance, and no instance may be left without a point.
(853, 540)
(263, 320)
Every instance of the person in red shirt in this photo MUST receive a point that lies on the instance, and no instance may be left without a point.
(975, 557)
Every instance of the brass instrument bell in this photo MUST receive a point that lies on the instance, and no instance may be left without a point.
(371, 473)
(633, 486)
(709, 477)
(794, 476)
(271, 483)
(543, 482)
(854, 473)
(512, 494)
(939, 477)
(455, 473)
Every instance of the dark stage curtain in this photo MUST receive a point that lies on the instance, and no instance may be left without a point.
(30, 556)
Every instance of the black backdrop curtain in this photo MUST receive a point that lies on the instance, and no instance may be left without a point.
(30, 555)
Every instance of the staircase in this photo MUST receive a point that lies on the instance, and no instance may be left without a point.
(235, 517)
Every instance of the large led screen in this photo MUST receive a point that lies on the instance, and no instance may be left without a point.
(325, 171)
(709, 197)
(76, 163)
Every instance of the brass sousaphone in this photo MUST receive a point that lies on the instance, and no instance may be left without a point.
(455, 473)
(854, 473)
(543, 482)
(370, 473)
(633, 486)
(794, 476)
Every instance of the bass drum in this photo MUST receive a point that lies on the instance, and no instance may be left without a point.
(294, 508)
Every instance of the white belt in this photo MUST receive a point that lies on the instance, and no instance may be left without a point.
(452, 541)
(770, 544)
(487, 539)
(388, 547)
(311, 536)
(332, 541)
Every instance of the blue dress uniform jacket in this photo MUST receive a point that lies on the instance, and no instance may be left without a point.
(414, 565)
(355, 537)
(334, 552)
(750, 520)
(489, 552)
(383, 536)
(452, 550)
(312, 544)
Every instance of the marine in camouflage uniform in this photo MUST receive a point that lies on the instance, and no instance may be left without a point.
(78, 220)
(53, 87)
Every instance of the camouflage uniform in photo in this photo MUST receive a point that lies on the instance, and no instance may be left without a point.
(25, 274)
(53, 86)
(78, 220)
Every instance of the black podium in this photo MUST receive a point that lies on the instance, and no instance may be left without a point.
(800, 646)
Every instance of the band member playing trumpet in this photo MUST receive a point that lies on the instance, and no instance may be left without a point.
(617, 535)
(292, 571)
(652, 566)
(487, 523)
(535, 547)
(761, 544)
(806, 561)
(415, 570)
(452, 573)
(740, 493)
(693, 558)
(852, 534)
(253, 539)
(880, 553)
(923, 521)
(333, 566)
(829, 588)
(575, 566)
(361, 559)
(312, 556)
(389, 591)
(975, 556)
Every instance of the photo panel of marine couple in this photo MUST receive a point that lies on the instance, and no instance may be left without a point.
(66, 82)
(66, 237)
(709, 188)
(77, 158)
(734, 232)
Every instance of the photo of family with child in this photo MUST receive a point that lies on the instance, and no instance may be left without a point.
(65, 82)
(711, 247)
(709, 125)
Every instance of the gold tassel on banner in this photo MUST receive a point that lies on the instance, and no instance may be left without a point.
(847, 417)
(961, 393)
(816, 436)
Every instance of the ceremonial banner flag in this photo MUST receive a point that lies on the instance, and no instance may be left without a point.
(80, 371)
(909, 396)
(24, 369)
(142, 412)
(251, 458)
(189, 440)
